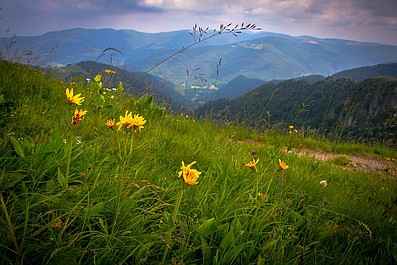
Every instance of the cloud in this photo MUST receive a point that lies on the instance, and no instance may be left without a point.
(296, 17)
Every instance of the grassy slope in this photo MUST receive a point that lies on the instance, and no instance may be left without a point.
(111, 199)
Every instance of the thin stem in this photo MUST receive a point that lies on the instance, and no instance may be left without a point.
(131, 143)
(199, 39)
(177, 204)
(68, 162)
(174, 221)
(274, 92)
(9, 224)
(118, 142)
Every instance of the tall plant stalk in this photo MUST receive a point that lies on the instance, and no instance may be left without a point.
(274, 92)
(173, 221)
(10, 226)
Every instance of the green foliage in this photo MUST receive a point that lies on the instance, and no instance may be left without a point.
(337, 108)
(93, 194)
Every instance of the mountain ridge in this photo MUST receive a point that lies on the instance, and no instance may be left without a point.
(261, 55)
(336, 107)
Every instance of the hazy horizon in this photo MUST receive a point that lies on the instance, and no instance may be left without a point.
(360, 20)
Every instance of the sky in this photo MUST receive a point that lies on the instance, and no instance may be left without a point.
(361, 20)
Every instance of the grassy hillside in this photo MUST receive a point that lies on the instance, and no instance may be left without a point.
(93, 194)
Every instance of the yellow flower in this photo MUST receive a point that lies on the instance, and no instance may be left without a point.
(124, 120)
(110, 123)
(98, 77)
(252, 164)
(290, 127)
(78, 116)
(137, 121)
(189, 175)
(282, 165)
(73, 98)
(129, 121)
(108, 71)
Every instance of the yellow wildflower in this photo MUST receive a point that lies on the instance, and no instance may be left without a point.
(110, 123)
(124, 120)
(78, 116)
(129, 121)
(73, 98)
(98, 77)
(282, 165)
(252, 164)
(137, 121)
(189, 175)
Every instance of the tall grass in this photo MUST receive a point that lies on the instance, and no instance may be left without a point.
(97, 195)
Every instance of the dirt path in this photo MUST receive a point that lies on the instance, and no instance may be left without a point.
(387, 167)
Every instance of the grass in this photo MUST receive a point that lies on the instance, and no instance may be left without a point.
(95, 195)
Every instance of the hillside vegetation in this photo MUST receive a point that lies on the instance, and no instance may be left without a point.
(338, 108)
(119, 180)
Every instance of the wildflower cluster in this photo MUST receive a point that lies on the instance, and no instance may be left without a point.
(76, 99)
(129, 121)
(292, 130)
(108, 71)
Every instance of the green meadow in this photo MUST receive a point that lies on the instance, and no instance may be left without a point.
(78, 191)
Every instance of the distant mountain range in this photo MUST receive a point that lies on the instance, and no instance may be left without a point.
(241, 84)
(262, 55)
(138, 83)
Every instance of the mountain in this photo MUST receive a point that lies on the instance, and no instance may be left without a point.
(241, 84)
(74, 45)
(237, 87)
(337, 107)
(363, 73)
(263, 55)
(270, 58)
